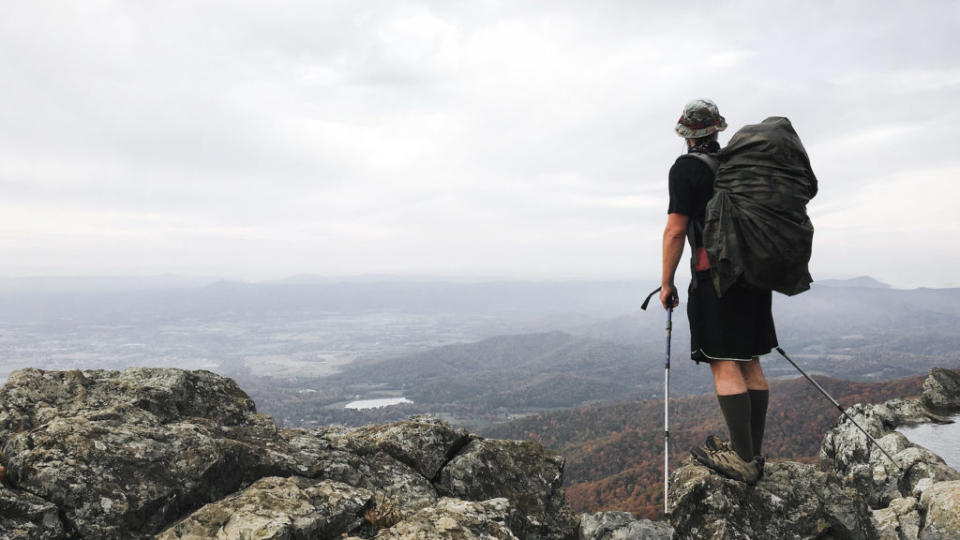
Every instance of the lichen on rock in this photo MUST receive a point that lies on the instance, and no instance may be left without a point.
(622, 526)
(792, 500)
(523, 472)
(130, 454)
(275, 508)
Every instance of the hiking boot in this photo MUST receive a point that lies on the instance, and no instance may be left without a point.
(728, 463)
(717, 444)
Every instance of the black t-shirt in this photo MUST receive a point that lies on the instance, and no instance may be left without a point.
(691, 186)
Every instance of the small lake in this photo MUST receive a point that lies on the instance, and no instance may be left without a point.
(941, 439)
(374, 403)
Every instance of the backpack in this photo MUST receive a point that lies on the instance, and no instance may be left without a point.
(757, 231)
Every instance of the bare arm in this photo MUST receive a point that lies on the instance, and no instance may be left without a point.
(674, 235)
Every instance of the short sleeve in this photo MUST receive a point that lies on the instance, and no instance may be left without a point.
(682, 189)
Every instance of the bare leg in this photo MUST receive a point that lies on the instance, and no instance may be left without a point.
(729, 377)
(752, 375)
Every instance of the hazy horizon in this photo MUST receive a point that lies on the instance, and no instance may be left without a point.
(132, 281)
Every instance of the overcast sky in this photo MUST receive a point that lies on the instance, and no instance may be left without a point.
(256, 140)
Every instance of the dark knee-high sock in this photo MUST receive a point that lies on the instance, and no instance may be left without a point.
(736, 411)
(758, 417)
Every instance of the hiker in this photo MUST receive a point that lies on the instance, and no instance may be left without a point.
(728, 332)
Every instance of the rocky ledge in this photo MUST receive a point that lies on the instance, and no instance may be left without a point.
(168, 454)
(918, 496)
(855, 493)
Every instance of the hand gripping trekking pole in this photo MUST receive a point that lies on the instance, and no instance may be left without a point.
(666, 405)
(824, 392)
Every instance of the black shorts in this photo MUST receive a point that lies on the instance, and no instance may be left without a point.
(737, 326)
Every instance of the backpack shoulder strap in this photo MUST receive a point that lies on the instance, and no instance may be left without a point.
(710, 159)
(713, 162)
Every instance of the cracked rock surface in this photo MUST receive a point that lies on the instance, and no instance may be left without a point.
(917, 496)
(622, 526)
(275, 508)
(183, 454)
(168, 453)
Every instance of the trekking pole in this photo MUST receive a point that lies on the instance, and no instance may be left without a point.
(666, 405)
(824, 392)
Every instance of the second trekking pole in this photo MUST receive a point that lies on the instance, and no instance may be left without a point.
(666, 405)
(828, 396)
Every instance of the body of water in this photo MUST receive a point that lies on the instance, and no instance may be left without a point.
(374, 403)
(941, 439)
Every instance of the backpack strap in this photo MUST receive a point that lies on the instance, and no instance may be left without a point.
(710, 159)
(713, 162)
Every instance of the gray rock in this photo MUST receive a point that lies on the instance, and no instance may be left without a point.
(526, 474)
(122, 454)
(276, 508)
(622, 526)
(455, 519)
(26, 516)
(893, 490)
(125, 454)
(941, 390)
(921, 487)
(396, 484)
(792, 501)
(422, 442)
(848, 453)
(899, 521)
(905, 412)
(942, 503)
(33, 397)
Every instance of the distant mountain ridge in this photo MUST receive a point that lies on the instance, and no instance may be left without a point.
(863, 282)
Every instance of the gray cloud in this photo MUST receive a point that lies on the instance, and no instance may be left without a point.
(253, 140)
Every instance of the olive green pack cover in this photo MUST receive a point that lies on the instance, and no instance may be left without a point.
(757, 231)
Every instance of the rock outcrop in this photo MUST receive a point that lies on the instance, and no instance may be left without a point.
(792, 500)
(916, 496)
(279, 508)
(622, 526)
(855, 493)
(173, 454)
(183, 454)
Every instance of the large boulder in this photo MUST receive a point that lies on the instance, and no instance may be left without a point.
(526, 474)
(792, 500)
(339, 454)
(942, 502)
(941, 390)
(121, 454)
(127, 454)
(900, 520)
(275, 508)
(455, 519)
(32, 397)
(422, 442)
(622, 526)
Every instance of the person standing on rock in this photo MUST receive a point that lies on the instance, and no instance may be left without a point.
(731, 332)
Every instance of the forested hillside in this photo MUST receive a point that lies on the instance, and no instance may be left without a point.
(615, 453)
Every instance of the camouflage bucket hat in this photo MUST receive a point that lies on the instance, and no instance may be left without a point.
(700, 118)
